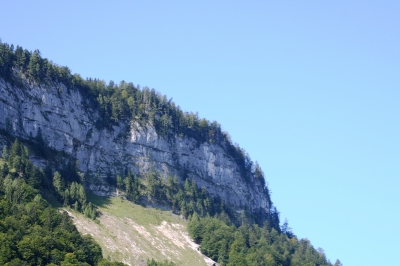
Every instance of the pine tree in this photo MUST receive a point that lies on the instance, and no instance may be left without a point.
(76, 206)
(58, 183)
(186, 187)
(35, 176)
(5, 153)
(66, 197)
(82, 195)
(14, 151)
(338, 263)
(4, 171)
(120, 182)
(34, 67)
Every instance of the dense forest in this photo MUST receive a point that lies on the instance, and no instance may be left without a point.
(250, 244)
(33, 232)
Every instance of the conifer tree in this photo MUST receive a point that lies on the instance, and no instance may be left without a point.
(5, 153)
(58, 183)
(76, 206)
(338, 263)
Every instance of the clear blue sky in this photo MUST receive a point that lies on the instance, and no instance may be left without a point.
(310, 89)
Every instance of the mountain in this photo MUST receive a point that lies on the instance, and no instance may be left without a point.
(72, 121)
(125, 141)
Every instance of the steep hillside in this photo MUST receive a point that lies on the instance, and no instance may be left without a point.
(133, 132)
(164, 183)
(132, 234)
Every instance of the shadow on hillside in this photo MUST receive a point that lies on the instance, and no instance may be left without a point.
(99, 201)
(52, 200)
(144, 202)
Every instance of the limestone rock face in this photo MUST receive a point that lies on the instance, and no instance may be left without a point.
(67, 123)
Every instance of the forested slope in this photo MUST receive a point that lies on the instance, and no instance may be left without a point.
(230, 213)
(113, 129)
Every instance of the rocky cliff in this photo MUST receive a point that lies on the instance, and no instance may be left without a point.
(67, 123)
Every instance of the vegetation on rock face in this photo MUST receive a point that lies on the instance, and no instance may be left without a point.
(124, 102)
(183, 199)
(32, 232)
(128, 103)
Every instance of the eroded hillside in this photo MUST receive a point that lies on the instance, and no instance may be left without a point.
(132, 233)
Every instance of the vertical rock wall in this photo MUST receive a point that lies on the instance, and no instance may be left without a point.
(68, 124)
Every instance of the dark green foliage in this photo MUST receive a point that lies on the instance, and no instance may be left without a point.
(250, 244)
(5, 153)
(73, 194)
(31, 231)
(18, 170)
(213, 234)
(154, 187)
(104, 262)
(188, 199)
(285, 229)
(130, 184)
(152, 262)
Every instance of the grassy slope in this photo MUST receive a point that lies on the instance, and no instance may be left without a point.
(131, 233)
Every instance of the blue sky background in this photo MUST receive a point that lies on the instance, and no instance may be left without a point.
(310, 89)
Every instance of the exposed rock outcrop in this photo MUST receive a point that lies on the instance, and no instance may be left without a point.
(67, 123)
